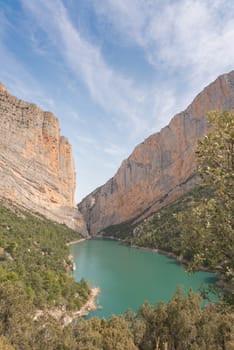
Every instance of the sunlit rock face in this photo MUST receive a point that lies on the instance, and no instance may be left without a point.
(160, 169)
(36, 164)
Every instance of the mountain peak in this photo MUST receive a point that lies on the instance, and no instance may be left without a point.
(37, 171)
(2, 87)
(161, 169)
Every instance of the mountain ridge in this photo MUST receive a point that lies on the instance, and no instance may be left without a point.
(161, 168)
(37, 170)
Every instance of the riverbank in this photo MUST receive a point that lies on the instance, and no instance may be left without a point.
(155, 250)
(121, 272)
(179, 258)
(67, 317)
(90, 305)
(163, 252)
(76, 241)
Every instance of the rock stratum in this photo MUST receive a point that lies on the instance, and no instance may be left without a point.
(162, 168)
(36, 164)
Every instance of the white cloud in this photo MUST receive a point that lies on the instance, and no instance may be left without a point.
(190, 35)
(118, 95)
(195, 36)
(151, 24)
(185, 41)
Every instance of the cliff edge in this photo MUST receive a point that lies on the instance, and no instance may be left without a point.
(160, 169)
(36, 165)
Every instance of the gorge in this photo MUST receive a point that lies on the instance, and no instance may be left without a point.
(161, 169)
(37, 175)
(37, 168)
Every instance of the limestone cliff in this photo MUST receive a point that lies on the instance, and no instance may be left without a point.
(36, 164)
(161, 168)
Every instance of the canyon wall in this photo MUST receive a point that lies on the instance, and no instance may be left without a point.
(36, 165)
(160, 169)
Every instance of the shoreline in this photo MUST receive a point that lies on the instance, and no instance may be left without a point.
(90, 304)
(67, 317)
(178, 258)
(76, 241)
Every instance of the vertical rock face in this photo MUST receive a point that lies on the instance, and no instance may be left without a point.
(36, 164)
(160, 169)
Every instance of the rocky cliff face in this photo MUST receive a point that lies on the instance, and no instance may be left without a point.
(160, 169)
(36, 165)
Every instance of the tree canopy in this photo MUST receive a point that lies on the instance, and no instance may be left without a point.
(33, 256)
(207, 226)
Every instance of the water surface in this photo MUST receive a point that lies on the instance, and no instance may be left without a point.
(128, 276)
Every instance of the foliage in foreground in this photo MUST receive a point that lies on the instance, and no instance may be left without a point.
(179, 325)
(207, 238)
(199, 226)
(33, 254)
(207, 227)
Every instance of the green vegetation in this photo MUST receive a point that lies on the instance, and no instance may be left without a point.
(34, 255)
(199, 226)
(179, 325)
(118, 231)
(162, 229)
(19, 328)
(207, 227)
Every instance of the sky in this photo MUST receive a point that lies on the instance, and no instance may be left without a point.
(112, 71)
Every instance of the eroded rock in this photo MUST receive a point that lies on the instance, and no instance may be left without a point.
(160, 169)
(36, 164)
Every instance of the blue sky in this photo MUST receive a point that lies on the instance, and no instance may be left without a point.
(112, 71)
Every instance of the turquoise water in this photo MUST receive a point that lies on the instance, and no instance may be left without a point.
(129, 276)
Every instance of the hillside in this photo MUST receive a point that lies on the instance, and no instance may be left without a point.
(162, 168)
(30, 280)
(33, 252)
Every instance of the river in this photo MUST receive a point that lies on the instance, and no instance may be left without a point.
(128, 276)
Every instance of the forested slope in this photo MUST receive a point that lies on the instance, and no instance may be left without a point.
(33, 260)
(34, 256)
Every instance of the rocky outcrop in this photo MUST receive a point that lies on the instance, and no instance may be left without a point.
(160, 169)
(36, 164)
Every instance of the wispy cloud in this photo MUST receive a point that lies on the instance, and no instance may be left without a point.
(198, 40)
(86, 140)
(38, 45)
(187, 36)
(20, 82)
(195, 36)
(183, 36)
(15, 75)
(115, 150)
(89, 77)
(116, 94)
